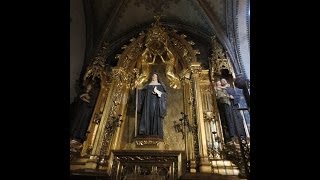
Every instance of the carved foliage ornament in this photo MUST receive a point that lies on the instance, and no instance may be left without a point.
(110, 129)
(217, 50)
(156, 38)
(196, 68)
(121, 76)
(219, 59)
(157, 44)
(112, 122)
(221, 64)
(96, 69)
(145, 167)
(194, 120)
(131, 51)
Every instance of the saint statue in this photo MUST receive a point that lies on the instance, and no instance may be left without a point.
(152, 108)
(227, 100)
(83, 114)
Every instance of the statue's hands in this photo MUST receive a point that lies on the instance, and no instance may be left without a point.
(156, 91)
(231, 97)
(85, 97)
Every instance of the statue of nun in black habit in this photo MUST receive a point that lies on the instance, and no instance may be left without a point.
(152, 108)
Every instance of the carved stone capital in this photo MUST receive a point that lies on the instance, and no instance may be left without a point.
(196, 68)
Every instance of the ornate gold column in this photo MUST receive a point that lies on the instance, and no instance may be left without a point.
(95, 73)
(96, 118)
(124, 79)
(189, 139)
(107, 128)
(204, 164)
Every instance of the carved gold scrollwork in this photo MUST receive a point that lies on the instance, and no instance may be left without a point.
(110, 128)
(96, 69)
(217, 50)
(196, 68)
(147, 142)
(157, 38)
(127, 165)
(131, 52)
(121, 76)
(157, 44)
(192, 104)
(208, 116)
(120, 79)
(219, 60)
(221, 64)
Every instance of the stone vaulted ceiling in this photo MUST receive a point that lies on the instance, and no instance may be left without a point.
(127, 14)
(114, 20)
